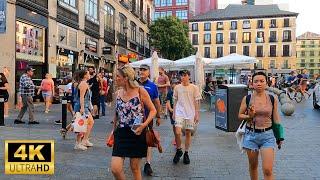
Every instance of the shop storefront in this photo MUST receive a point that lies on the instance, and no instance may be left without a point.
(91, 58)
(30, 48)
(67, 52)
(66, 63)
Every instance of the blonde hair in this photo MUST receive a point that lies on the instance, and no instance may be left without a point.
(128, 71)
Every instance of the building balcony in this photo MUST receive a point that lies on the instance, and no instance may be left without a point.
(147, 52)
(272, 55)
(219, 42)
(206, 42)
(246, 26)
(259, 54)
(195, 43)
(259, 40)
(143, 17)
(134, 9)
(273, 39)
(287, 40)
(286, 54)
(122, 40)
(126, 4)
(246, 41)
(141, 49)
(110, 36)
(233, 41)
(273, 26)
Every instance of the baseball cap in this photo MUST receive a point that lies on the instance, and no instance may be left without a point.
(30, 69)
(184, 72)
(144, 66)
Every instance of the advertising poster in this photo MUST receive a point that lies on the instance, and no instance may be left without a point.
(3, 12)
(29, 42)
(221, 109)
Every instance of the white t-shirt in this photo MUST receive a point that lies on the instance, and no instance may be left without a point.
(68, 87)
(185, 96)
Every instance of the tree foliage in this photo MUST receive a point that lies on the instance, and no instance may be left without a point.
(169, 35)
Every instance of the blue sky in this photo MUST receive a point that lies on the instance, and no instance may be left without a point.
(309, 12)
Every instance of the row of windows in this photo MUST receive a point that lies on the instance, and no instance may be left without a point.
(180, 14)
(110, 25)
(246, 24)
(310, 61)
(162, 14)
(246, 37)
(246, 51)
(311, 53)
(163, 3)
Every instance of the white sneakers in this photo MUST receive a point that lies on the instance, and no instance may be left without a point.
(87, 143)
(80, 147)
(83, 145)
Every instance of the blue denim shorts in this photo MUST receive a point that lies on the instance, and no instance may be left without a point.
(255, 141)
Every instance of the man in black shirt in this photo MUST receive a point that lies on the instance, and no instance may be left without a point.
(94, 87)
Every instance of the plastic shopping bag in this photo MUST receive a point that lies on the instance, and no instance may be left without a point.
(80, 123)
(240, 133)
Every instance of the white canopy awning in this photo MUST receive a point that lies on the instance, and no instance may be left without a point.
(162, 62)
(189, 61)
(232, 60)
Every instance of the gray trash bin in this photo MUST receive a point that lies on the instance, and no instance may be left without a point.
(228, 100)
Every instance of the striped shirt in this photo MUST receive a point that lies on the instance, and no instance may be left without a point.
(26, 86)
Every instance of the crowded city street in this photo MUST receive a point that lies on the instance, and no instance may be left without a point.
(215, 154)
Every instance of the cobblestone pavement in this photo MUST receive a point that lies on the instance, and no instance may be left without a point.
(214, 153)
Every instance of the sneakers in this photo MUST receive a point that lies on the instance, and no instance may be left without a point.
(33, 122)
(79, 146)
(58, 122)
(46, 111)
(17, 121)
(186, 159)
(147, 169)
(87, 143)
(177, 157)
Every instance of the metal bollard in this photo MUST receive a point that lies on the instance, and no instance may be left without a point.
(64, 112)
(1, 110)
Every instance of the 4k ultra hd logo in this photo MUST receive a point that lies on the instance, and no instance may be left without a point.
(29, 156)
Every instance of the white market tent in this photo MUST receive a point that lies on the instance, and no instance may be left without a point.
(162, 62)
(232, 61)
(189, 61)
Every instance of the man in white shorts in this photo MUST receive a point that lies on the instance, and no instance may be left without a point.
(185, 113)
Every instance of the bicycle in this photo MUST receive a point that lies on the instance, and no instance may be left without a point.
(295, 93)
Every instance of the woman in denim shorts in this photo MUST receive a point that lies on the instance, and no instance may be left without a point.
(259, 136)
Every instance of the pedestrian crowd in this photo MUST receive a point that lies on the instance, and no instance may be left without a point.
(140, 103)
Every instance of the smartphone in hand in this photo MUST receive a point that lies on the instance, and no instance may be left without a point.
(134, 127)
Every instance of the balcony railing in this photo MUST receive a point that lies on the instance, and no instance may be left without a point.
(122, 39)
(273, 55)
(143, 17)
(110, 36)
(286, 54)
(195, 43)
(141, 49)
(134, 9)
(148, 52)
(125, 4)
(273, 39)
(233, 41)
(219, 42)
(259, 54)
(287, 40)
(259, 40)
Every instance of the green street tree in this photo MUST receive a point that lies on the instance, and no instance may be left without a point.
(169, 35)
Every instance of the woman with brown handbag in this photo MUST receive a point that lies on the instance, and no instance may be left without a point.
(129, 126)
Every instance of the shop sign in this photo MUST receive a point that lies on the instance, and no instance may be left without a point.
(91, 45)
(29, 42)
(3, 12)
(107, 50)
(132, 57)
(123, 58)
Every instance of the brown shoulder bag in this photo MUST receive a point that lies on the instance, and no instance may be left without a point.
(152, 136)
